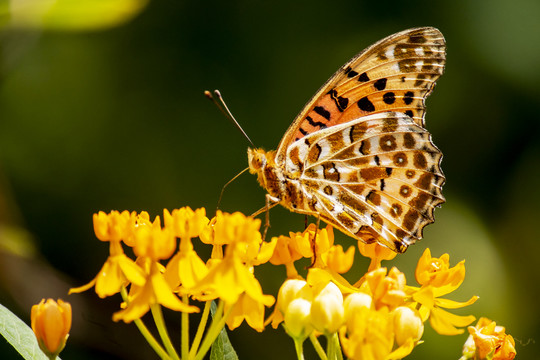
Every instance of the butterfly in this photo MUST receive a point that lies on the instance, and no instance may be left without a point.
(358, 155)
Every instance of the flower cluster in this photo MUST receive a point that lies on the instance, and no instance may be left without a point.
(380, 316)
(169, 275)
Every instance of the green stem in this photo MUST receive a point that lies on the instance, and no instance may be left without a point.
(330, 347)
(185, 330)
(146, 333)
(200, 329)
(337, 346)
(299, 347)
(215, 328)
(162, 330)
(317, 346)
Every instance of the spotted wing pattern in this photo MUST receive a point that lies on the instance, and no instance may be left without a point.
(358, 155)
(376, 178)
(395, 74)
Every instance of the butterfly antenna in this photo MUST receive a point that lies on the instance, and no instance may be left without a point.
(228, 182)
(217, 99)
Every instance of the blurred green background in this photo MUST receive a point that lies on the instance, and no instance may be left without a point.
(115, 118)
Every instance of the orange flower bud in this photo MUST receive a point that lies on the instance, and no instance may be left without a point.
(51, 322)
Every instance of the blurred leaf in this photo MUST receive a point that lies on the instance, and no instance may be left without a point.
(222, 348)
(69, 14)
(16, 241)
(19, 335)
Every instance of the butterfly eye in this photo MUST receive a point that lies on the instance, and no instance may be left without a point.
(256, 160)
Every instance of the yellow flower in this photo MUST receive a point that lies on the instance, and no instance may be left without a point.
(370, 337)
(51, 322)
(226, 228)
(229, 278)
(386, 290)
(118, 271)
(154, 291)
(438, 273)
(353, 305)
(250, 309)
(442, 321)
(338, 260)
(186, 268)
(438, 278)
(113, 226)
(376, 253)
(327, 311)
(184, 222)
(374, 333)
(488, 341)
(297, 319)
(290, 290)
(256, 251)
(301, 242)
(153, 242)
(408, 325)
(285, 254)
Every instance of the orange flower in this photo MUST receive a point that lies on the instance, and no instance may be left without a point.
(112, 226)
(184, 222)
(338, 260)
(438, 278)
(153, 242)
(488, 341)
(51, 322)
(376, 253)
(386, 290)
(226, 228)
(438, 273)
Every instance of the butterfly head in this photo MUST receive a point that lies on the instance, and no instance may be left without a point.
(262, 163)
(257, 160)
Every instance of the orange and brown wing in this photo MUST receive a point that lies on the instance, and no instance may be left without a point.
(395, 74)
(377, 178)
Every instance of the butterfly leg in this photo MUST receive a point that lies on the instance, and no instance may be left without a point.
(270, 203)
(314, 243)
(227, 184)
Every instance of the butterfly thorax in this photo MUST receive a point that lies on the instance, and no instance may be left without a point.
(271, 176)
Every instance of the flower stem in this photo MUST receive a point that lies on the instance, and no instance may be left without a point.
(330, 347)
(317, 346)
(162, 330)
(299, 347)
(146, 333)
(200, 329)
(185, 330)
(337, 346)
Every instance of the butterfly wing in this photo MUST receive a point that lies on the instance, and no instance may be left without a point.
(395, 74)
(376, 178)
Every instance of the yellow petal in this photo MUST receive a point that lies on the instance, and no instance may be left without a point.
(451, 304)
(402, 351)
(445, 323)
(82, 288)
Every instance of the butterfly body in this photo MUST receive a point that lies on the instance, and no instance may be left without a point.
(358, 155)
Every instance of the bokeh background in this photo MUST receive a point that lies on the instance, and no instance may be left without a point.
(112, 116)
